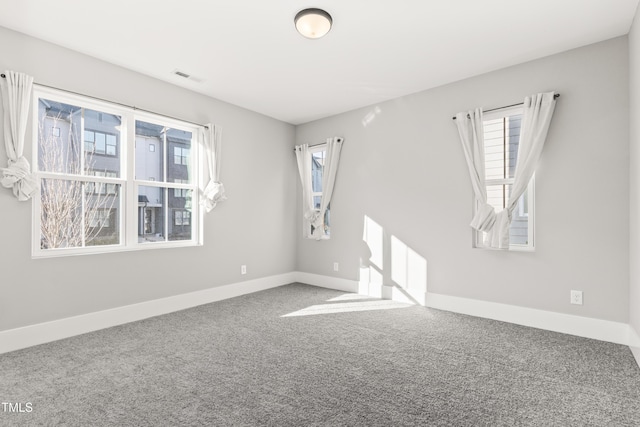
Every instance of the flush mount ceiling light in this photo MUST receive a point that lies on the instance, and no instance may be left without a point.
(313, 23)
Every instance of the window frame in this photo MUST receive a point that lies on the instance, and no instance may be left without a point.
(128, 206)
(478, 241)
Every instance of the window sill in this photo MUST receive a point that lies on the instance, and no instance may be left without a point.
(67, 252)
(314, 238)
(513, 248)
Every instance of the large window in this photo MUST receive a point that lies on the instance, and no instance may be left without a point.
(501, 140)
(109, 179)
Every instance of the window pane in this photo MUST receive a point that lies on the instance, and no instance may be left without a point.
(59, 153)
(61, 214)
(102, 216)
(497, 196)
(149, 161)
(501, 140)
(151, 211)
(513, 141)
(179, 164)
(180, 226)
(494, 148)
(519, 230)
(317, 165)
(67, 222)
(103, 130)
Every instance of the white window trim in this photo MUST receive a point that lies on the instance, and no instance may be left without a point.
(128, 184)
(477, 235)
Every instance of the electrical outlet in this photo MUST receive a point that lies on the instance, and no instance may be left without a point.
(336, 266)
(243, 269)
(576, 297)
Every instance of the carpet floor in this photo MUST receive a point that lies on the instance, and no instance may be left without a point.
(299, 355)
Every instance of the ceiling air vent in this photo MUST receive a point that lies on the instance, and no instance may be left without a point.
(186, 76)
(181, 74)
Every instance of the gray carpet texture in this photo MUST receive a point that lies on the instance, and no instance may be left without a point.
(299, 355)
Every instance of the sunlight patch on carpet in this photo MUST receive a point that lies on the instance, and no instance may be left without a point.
(348, 307)
(349, 297)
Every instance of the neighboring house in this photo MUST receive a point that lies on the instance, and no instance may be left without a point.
(150, 143)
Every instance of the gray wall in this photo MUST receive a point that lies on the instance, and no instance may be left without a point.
(253, 227)
(402, 166)
(634, 232)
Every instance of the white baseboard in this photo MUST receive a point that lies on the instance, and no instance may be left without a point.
(634, 343)
(603, 330)
(360, 287)
(636, 353)
(336, 283)
(15, 339)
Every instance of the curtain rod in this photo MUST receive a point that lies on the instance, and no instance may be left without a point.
(116, 103)
(314, 145)
(557, 95)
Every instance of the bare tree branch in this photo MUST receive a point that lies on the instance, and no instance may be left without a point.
(74, 212)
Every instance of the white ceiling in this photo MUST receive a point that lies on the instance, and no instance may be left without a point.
(247, 52)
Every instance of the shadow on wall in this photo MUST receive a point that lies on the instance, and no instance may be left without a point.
(389, 268)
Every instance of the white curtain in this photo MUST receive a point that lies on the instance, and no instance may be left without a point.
(303, 156)
(16, 96)
(537, 113)
(214, 190)
(471, 132)
(536, 118)
(329, 171)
